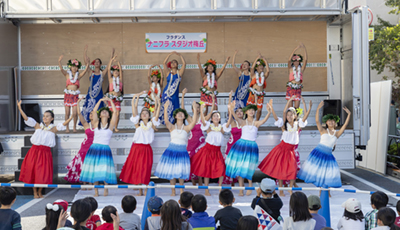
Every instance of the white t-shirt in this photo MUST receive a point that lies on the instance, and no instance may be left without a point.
(381, 228)
(350, 224)
(289, 224)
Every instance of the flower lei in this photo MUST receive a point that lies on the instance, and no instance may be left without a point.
(211, 80)
(46, 128)
(169, 84)
(294, 128)
(297, 73)
(71, 78)
(153, 87)
(145, 127)
(260, 82)
(297, 57)
(116, 84)
(216, 129)
(294, 85)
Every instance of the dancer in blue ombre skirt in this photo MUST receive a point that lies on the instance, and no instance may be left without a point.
(175, 161)
(321, 167)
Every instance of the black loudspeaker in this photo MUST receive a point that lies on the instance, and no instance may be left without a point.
(333, 107)
(31, 110)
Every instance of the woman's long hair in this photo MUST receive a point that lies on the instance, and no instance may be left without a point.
(299, 207)
(80, 211)
(388, 218)
(52, 218)
(171, 216)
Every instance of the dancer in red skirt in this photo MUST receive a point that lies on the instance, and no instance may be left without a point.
(209, 162)
(209, 78)
(71, 91)
(37, 167)
(137, 167)
(280, 163)
(296, 68)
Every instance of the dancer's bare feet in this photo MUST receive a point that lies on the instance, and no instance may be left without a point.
(248, 193)
(116, 130)
(140, 192)
(40, 195)
(96, 192)
(67, 130)
(181, 190)
(173, 193)
(207, 193)
(281, 193)
(290, 192)
(241, 193)
(105, 192)
(74, 130)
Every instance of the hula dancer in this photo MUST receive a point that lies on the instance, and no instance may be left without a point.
(171, 90)
(71, 92)
(258, 84)
(115, 89)
(37, 167)
(321, 167)
(284, 153)
(209, 162)
(296, 69)
(137, 167)
(243, 156)
(242, 91)
(197, 139)
(155, 84)
(75, 166)
(99, 163)
(209, 78)
(175, 161)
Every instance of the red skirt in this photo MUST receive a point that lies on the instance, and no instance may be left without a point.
(208, 162)
(71, 100)
(280, 163)
(293, 92)
(137, 167)
(116, 103)
(37, 167)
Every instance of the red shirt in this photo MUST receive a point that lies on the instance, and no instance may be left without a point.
(107, 226)
(397, 221)
(91, 223)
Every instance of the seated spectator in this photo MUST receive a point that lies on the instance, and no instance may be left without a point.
(128, 219)
(247, 223)
(353, 217)
(386, 218)
(314, 204)
(154, 221)
(200, 218)
(300, 218)
(94, 220)
(109, 215)
(10, 219)
(268, 200)
(228, 216)
(378, 200)
(185, 201)
(172, 218)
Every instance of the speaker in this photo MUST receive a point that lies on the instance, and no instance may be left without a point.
(31, 110)
(333, 107)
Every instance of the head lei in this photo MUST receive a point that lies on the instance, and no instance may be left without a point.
(169, 64)
(115, 67)
(211, 62)
(176, 111)
(104, 108)
(259, 62)
(247, 108)
(74, 62)
(297, 57)
(156, 73)
(299, 112)
(328, 117)
(293, 110)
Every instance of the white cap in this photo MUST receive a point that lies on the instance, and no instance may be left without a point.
(352, 205)
(267, 185)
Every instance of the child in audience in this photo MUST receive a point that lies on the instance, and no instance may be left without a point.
(300, 218)
(52, 215)
(386, 219)
(172, 218)
(80, 211)
(397, 222)
(229, 216)
(200, 218)
(353, 217)
(110, 223)
(314, 204)
(128, 219)
(64, 205)
(378, 200)
(154, 221)
(185, 201)
(10, 219)
(94, 220)
(247, 223)
(268, 200)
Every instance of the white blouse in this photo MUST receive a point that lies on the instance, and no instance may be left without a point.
(289, 224)
(215, 137)
(144, 133)
(42, 136)
(291, 135)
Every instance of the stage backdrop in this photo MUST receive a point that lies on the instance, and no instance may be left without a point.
(42, 44)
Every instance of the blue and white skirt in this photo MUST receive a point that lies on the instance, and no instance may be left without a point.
(174, 163)
(242, 159)
(99, 165)
(321, 168)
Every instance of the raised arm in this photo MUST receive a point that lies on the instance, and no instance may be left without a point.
(61, 68)
(37, 126)
(231, 108)
(228, 123)
(120, 71)
(203, 120)
(184, 91)
(237, 70)
(307, 112)
(96, 107)
(222, 69)
(167, 123)
(212, 107)
(87, 60)
(266, 72)
(291, 55)
(109, 69)
(158, 108)
(303, 67)
(149, 74)
(135, 102)
(81, 118)
(67, 121)
(254, 65)
(200, 67)
(286, 108)
(182, 70)
(113, 118)
(319, 125)
(259, 123)
(162, 77)
(166, 71)
(340, 132)
(274, 114)
(192, 123)
(109, 65)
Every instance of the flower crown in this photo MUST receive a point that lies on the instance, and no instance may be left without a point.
(74, 62)
(259, 62)
(115, 67)
(156, 73)
(104, 108)
(211, 62)
(297, 57)
(248, 107)
(176, 111)
(328, 117)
